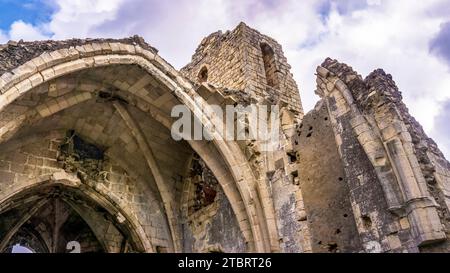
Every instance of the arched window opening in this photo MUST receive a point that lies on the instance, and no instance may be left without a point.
(269, 65)
(18, 248)
(203, 75)
(26, 240)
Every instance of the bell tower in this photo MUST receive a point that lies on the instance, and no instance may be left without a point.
(244, 59)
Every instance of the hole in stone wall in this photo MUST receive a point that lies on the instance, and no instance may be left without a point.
(80, 148)
(295, 179)
(309, 134)
(270, 174)
(338, 231)
(161, 249)
(269, 65)
(86, 150)
(366, 221)
(80, 157)
(345, 215)
(333, 247)
(292, 155)
(340, 178)
(203, 75)
(310, 128)
(110, 95)
(325, 118)
(55, 226)
(104, 95)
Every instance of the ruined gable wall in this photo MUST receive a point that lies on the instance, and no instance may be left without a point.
(431, 163)
(393, 207)
(374, 222)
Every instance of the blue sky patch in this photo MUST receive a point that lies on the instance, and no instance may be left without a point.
(30, 11)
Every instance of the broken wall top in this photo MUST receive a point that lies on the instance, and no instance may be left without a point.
(236, 60)
(13, 54)
(376, 89)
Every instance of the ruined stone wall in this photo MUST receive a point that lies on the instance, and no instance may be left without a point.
(32, 160)
(213, 229)
(431, 163)
(323, 183)
(293, 231)
(374, 222)
(380, 145)
(209, 224)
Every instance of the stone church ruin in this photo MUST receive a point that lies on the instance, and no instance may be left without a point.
(86, 154)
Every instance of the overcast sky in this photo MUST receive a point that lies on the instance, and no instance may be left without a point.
(409, 39)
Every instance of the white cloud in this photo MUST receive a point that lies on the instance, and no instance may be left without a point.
(393, 35)
(441, 131)
(21, 30)
(374, 2)
(78, 18)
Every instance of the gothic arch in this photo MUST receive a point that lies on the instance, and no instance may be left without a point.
(39, 190)
(235, 175)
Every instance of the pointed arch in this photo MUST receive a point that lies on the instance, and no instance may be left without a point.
(239, 186)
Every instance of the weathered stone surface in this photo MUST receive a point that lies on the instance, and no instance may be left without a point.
(355, 174)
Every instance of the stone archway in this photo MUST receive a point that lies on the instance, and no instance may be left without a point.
(27, 208)
(129, 101)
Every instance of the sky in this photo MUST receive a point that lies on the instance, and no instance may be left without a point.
(409, 39)
(20, 249)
